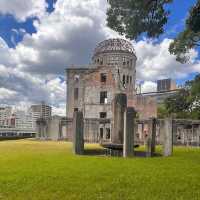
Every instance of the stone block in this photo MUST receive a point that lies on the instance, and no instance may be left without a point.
(78, 133)
(151, 139)
(129, 131)
(119, 107)
(168, 137)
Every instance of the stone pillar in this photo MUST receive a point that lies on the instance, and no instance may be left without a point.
(198, 136)
(143, 134)
(129, 131)
(38, 131)
(119, 106)
(54, 128)
(41, 128)
(151, 139)
(78, 133)
(168, 137)
(175, 131)
(148, 147)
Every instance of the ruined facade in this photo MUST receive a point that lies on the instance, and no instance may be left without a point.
(91, 89)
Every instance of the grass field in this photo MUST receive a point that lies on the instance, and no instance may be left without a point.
(32, 170)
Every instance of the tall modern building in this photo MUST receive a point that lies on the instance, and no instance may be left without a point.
(40, 111)
(23, 120)
(166, 85)
(5, 114)
(165, 89)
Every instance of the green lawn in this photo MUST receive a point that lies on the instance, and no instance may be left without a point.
(48, 171)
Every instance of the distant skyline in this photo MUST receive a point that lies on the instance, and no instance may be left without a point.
(39, 39)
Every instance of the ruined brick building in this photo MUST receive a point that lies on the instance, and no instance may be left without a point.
(91, 89)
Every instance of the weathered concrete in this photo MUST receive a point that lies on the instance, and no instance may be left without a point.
(174, 131)
(41, 129)
(54, 131)
(151, 139)
(119, 106)
(148, 147)
(129, 131)
(53, 128)
(78, 133)
(168, 137)
(198, 136)
(85, 85)
(146, 106)
(152, 129)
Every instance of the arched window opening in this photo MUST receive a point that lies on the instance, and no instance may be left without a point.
(127, 79)
(130, 79)
(124, 79)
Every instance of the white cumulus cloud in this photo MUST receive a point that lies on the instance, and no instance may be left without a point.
(6, 94)
(22, 9)
(148, 86)
(155, 62)
(34, 70)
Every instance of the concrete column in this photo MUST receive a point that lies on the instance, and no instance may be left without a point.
(78, 133)
(183, 131)
(198, 136)
(54, 131)
(174, 130)
(38, 130)
(168, 137)
(136, 133)
(148, 147)
(143, 135)
(152, 129)
(42, 132)
(129, 131)
(151, 139)
(119, 106)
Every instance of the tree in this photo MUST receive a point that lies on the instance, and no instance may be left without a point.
(162, 111)
(178, 104)
(194, 98)
(185, 103)
(133, 18)
(189, 38)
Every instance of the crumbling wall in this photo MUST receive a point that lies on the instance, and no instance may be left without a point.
(54, 131)
(146, 107)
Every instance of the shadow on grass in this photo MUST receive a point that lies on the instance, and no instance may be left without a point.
(95, 152)
(143, 154)
(104, 152)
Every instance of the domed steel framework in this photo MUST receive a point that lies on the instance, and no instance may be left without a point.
(114, 45)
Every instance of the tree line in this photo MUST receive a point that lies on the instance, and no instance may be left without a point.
(135, 18)
(184, 104)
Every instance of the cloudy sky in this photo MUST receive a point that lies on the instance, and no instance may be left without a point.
(40, 38)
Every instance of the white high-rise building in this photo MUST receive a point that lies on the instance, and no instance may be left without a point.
(5, 113)
(23, 120)
(166, 85)
(40, 111)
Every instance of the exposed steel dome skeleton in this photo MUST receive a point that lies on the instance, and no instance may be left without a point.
(114, 45)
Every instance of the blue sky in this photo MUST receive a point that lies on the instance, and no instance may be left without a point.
(179, 11)
(39, 39)
(8, 23)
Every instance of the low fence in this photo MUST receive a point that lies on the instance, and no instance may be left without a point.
(185, 131)
(16, 134)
